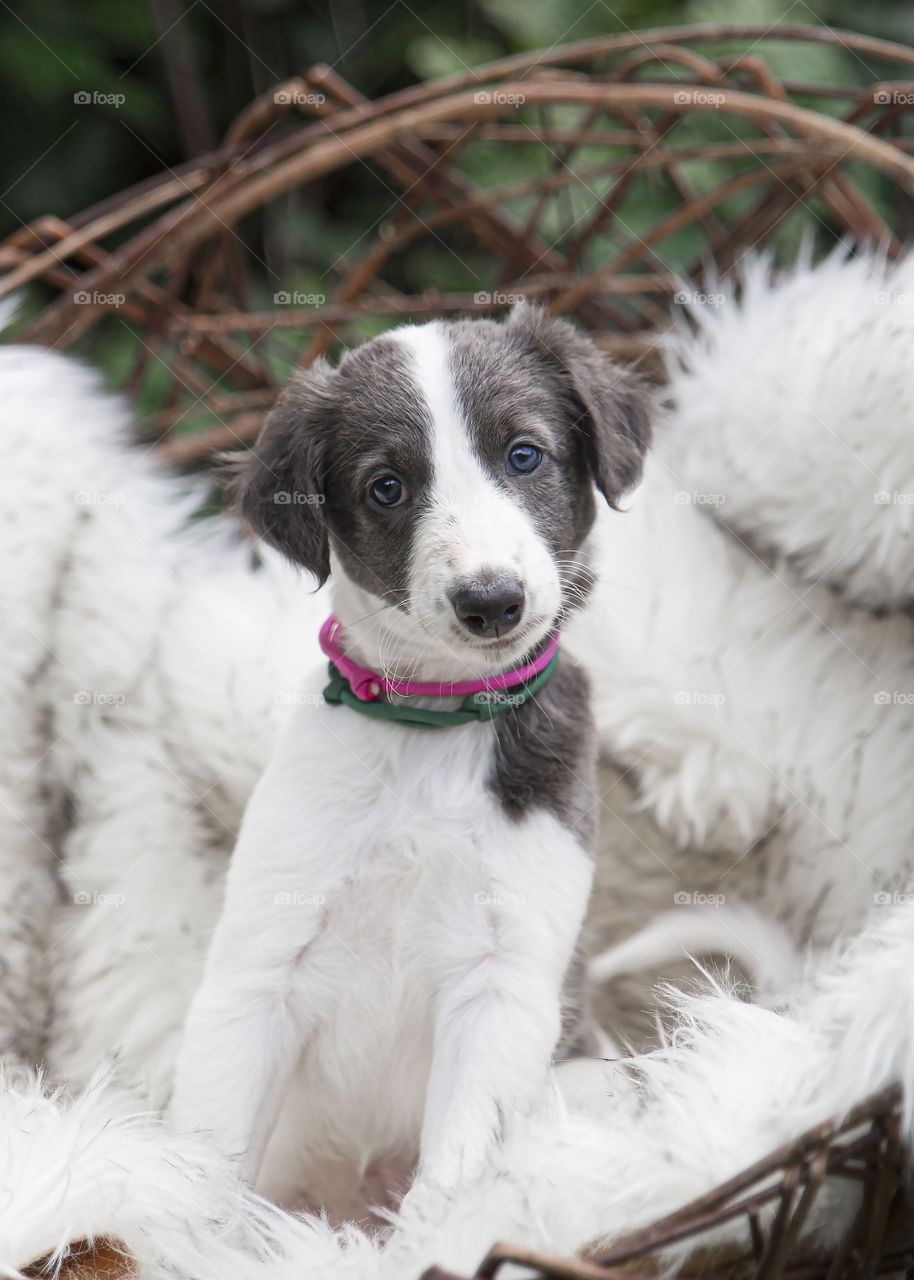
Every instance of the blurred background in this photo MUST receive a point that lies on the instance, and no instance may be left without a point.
(186, 68)
(99, 95)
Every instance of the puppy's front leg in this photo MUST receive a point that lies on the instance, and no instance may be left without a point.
(255, 1008)
(498, 1015)
(492, 1054)
(241, 1041)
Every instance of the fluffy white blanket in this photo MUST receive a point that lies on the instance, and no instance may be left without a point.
(758, 725)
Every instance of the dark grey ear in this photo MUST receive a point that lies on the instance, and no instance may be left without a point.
(280, 492)
(609, 404)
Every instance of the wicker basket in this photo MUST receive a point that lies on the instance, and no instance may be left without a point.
(863, 1145)
(604, 120)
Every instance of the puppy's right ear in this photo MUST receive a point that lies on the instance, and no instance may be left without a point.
(280, 492)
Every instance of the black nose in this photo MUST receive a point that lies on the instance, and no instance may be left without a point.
(490, 608)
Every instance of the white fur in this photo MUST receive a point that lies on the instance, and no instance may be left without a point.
(796, 404)
(737, 700)
(762, 721)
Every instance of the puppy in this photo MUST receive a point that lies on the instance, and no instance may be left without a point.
(394, 967)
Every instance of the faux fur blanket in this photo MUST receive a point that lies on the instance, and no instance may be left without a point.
(754, 678)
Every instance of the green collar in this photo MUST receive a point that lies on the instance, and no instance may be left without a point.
(476, 707)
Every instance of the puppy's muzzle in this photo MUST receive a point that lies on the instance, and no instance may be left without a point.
(490, 607)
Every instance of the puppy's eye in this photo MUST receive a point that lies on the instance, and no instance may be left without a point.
(387, 491)
(524, 458)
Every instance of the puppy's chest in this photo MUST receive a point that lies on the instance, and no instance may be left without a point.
(386, 788)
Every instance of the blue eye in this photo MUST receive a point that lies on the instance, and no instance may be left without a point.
(387, 491)
(524, 458)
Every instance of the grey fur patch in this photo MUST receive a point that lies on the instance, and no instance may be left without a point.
(306, 487)
(537, 371)
(546, 754)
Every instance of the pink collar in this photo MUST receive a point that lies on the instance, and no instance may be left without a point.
(368, 685)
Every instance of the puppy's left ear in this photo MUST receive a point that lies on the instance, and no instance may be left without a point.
(609, 405)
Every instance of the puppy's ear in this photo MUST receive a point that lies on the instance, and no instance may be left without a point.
(608, 405)
(280, 490)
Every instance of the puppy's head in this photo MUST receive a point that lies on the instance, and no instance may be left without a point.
(450, 470)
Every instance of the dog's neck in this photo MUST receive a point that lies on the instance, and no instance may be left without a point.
(388, 640)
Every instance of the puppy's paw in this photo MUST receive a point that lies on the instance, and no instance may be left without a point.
(459, 1162)
(453, 1169)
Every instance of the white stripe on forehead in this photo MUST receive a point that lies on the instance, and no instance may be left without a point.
(452, 457)
(430, 348)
